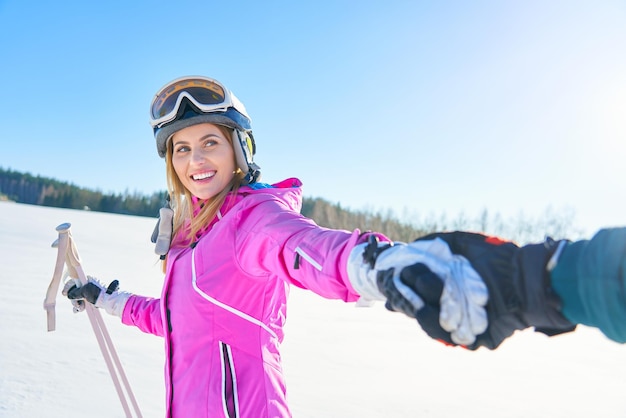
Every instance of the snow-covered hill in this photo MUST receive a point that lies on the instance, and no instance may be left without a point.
(340, 361)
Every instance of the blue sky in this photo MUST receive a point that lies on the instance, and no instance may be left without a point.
(419, 107)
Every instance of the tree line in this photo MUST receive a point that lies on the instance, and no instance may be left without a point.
(38, 190)
(44, 191)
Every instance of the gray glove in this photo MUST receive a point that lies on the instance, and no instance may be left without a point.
(385, 271)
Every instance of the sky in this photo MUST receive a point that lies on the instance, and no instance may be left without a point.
(339, 361)
(416, 108)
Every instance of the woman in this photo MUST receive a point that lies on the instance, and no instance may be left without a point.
(238, 244)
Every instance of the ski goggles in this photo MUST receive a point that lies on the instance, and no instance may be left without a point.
(206, 94)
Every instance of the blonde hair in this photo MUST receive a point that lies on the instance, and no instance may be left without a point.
(185, 222)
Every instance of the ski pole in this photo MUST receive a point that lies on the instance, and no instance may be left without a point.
(49, 302)
(68, 255)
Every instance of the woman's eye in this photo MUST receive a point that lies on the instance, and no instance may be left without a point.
(182, 149)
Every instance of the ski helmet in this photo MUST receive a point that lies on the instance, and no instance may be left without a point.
(191, 100)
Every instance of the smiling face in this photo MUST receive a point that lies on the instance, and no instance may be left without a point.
(203, 159)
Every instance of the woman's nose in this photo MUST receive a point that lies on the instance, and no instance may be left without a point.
(197, 156)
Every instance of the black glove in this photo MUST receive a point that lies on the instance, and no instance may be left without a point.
(109, 298)
(517, 278)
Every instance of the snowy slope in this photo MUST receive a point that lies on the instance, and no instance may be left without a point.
(341, 361)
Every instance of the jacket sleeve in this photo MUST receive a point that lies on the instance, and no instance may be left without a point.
(590, 278)
(275, 240)
(145, 314)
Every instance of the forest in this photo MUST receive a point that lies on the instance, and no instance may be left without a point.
(37, 190)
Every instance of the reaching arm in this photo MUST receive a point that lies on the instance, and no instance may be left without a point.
(473, 290)
(590, 278)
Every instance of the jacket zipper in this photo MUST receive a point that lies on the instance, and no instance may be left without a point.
(300, 253)
(230, 401)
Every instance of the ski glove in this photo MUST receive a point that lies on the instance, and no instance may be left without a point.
(442, 280)
(409, 276)
(94, 292)
(518, 280)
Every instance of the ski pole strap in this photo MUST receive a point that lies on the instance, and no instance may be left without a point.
(49, 302)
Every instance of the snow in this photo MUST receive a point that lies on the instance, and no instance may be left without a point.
(340, 361)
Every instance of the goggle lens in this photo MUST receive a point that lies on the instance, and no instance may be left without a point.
(204, 92)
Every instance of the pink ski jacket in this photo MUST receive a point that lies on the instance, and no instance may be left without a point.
(223, 305)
